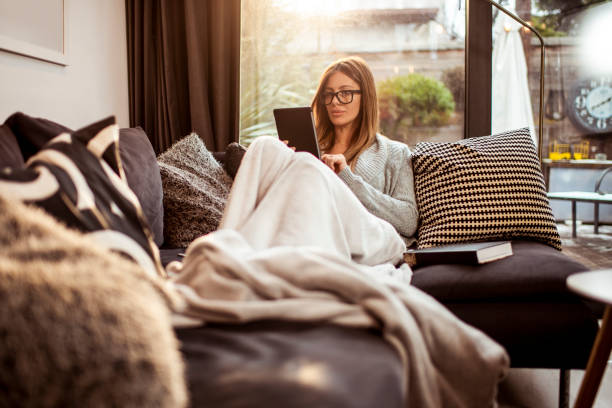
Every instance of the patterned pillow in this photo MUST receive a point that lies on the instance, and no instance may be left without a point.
(480, 189)
(195, 191)
(79, 180)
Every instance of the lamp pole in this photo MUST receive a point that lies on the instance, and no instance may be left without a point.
(542, 61)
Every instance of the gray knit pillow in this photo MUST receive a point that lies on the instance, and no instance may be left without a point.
(80, 326)
(195, 191)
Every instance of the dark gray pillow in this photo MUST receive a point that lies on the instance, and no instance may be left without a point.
(195, 191)
(233, 157)
(142, 173)
(10, 155)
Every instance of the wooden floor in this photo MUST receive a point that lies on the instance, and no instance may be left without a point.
(593, 250)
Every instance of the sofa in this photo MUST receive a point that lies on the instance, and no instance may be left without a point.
(520, 301)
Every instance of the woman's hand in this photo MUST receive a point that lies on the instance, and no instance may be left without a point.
(336, 162)
(287, 143)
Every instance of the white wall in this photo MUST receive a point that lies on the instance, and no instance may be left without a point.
(94, 84)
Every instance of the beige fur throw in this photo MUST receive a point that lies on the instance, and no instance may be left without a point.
(195, 191)
(80, 326)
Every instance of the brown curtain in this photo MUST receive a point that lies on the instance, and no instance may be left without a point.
(183, 62)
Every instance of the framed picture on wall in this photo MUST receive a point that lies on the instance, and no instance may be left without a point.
(35, 28)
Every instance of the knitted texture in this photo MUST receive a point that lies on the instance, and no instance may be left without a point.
(80, 326)
(382, 180)
(195, 191)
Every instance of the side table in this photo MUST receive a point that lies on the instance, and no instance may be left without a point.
(595, 285)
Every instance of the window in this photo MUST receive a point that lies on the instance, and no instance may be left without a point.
(578, 79)
(414, 48)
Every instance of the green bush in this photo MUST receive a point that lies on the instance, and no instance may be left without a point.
(414, 100)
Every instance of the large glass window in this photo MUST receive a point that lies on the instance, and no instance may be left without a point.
(578, 75)
(577, 103)
(415, 49)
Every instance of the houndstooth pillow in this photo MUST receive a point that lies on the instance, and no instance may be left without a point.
(481, 189)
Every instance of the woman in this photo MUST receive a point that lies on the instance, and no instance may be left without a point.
(377, 169)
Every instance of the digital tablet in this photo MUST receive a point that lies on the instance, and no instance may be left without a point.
(297, 126)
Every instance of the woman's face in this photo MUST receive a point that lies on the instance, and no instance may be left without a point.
(342, 114)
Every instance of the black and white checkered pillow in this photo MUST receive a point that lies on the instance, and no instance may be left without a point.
(480, 189)
(78, 178)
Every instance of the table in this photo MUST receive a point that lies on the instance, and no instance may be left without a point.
(583, 196)
(548, 164)
(595, 285)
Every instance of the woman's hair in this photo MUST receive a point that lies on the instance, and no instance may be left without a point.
(367, 120)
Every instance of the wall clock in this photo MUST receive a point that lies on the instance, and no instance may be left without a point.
(590, 104)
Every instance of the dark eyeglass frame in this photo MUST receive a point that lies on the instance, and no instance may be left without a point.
(336, 95)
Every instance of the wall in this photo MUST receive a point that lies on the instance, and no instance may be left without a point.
(94, 84)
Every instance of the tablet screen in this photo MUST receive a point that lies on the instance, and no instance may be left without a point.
(297, 126)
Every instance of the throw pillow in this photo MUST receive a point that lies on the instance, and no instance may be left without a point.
(195, 191)
(233, 157)
(481, 189)
(33, 133)
(78, 178)
(10, 154)
(142, 173)
(80, 326)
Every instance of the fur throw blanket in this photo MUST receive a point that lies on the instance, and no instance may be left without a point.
(80, 326)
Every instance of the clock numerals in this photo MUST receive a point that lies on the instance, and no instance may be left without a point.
(580, 102)
(583, 112)
(593, 83)
(601, 124)
(590, 120)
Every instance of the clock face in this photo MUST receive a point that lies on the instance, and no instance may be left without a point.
(590, 104)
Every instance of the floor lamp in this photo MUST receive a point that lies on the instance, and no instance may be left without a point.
(542, 52)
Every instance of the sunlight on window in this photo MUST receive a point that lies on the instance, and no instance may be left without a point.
(411, 46)
(315, 7)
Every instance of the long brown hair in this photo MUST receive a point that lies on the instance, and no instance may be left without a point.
(365, 133)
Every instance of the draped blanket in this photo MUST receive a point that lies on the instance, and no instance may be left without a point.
(296, 245)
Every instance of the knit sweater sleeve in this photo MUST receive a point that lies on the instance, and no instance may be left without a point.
(398, 205)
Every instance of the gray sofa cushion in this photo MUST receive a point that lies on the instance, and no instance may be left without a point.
(142, 173)
(287, 364)
(534, 271)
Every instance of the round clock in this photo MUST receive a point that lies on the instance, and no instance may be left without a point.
(590, 104)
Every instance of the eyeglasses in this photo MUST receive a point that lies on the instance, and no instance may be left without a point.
(344, 96)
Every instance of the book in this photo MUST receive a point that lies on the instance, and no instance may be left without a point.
(471, 253)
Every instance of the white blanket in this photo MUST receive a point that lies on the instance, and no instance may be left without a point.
(290, 235)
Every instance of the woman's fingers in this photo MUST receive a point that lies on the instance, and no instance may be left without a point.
(287, 143)
(336, 162)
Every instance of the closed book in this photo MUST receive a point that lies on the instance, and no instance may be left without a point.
(472, 253)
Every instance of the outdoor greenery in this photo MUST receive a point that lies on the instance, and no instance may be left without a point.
(414, 100)
(557, 17)
(270, 75)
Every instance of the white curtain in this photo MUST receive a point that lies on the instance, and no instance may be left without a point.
(511, 102)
